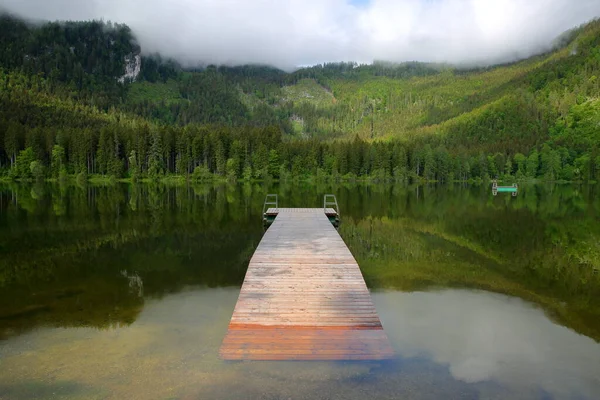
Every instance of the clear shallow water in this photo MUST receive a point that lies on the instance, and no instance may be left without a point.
(109, 293)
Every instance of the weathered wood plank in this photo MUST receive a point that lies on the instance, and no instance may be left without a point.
(304, 297)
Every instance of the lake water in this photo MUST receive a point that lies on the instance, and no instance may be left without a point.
(126, 292)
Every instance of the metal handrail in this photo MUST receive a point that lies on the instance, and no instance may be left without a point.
(270, 203)
(326, 203)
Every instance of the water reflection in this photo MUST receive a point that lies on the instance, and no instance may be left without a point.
(483, 337)
(126, 291)
(63, 248)
(450, 344)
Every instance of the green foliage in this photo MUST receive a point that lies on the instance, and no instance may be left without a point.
(307, 91)
(23, 164)
(579, 128)
(202, 174)
(154, 93)
(274, 163)
(81, 178)
(155, 167)
(232, 169)
(157, 70)
(37, 170)
(86, 56)
(62, 177)
(247, 176)
(58, 161)
(534, 119)
(532, 164)
(133, 166)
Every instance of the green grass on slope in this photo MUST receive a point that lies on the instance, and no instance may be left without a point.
(154, 92)
(406, 106)
(308, 91)
(250, 100)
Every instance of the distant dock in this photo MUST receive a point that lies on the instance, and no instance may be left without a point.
(514, 189)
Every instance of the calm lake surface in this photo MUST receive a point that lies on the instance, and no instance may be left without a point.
(125, 292)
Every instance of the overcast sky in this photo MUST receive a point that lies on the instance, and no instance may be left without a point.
(288, 33)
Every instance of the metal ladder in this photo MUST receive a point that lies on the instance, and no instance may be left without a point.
(327, 201)
(270, 202)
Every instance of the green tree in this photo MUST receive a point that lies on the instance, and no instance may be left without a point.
(220, 158)
(11, 142)
(521, 162)
(443, 164)
(508, 167)
(133, 166)
(202, 174)
(551, 163)
(155, 162)
(232, 169)
(104, 152)
(23, 163)
(274, 163)
(58, 161)
(260, 162)
(248, 173)
(429, 167)
(37, 170)
(499, 164)
(532, 164)
(582, 167)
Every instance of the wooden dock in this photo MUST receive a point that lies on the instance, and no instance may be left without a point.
(304, 297)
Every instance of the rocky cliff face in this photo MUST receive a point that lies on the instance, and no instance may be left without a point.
(133, 67)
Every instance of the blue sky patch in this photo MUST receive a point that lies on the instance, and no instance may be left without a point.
(359, 3)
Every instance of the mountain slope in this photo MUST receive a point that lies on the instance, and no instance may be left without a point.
(534, 118)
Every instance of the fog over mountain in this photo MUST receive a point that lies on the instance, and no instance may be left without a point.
(302, 32)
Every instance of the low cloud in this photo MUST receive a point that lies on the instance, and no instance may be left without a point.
(300, 32)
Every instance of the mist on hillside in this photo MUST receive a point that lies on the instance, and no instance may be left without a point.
(294, 33)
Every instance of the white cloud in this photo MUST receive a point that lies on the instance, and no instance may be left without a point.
(299, 32)
(483, 336)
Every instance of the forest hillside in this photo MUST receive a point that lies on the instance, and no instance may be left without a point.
(82, 98)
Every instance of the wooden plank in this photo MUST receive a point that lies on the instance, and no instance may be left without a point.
(273, 212)
(304, 297)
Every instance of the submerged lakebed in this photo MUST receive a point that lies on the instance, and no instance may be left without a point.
(126, 292)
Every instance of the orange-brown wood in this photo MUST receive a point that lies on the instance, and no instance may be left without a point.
(304, 297)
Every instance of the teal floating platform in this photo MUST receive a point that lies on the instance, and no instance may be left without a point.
(514, 189)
